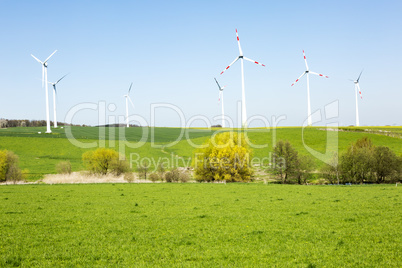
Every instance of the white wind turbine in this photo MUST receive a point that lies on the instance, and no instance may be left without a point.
(308, 88)
(243, 95)
(54, 99)
(128, 99)
(357, 88)
(221, 99)
(44, 81)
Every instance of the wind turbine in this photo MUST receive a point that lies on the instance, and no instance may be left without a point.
(128, 99)
(307, 71)
(44, 81)
(357, 88)
(221, 99)
(54, 99)
(243, 95)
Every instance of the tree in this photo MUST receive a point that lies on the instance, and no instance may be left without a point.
(305, 165)
(356, 163)
(331, 171)
(386, 164)
(143, 170)
(226, 156)
(101, 161)
(9, 167)
(285, 160)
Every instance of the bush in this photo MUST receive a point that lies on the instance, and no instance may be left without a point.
(63, 167)
(103, 161)
(184, 177)
(224, 154)
(129, 177)
(9, 168)
(154, 177)
(119, 167)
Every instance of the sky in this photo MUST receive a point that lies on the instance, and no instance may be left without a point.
(172, 50)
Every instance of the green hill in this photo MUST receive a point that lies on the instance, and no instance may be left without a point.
(39, 153)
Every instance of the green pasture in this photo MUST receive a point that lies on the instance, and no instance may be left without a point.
(39, 153)
(200, 225)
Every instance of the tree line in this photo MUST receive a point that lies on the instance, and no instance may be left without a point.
(363, 162)
(7, 123)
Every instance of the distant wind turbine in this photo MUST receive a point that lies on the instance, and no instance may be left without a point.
(54, 99)
(243, 95)
(357, 88)
(44, 81)
(221, 99)
(307, 71)
(128, 99)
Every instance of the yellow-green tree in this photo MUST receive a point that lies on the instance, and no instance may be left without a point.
(9, 169)
(3, 165)
(226, 156)
(102, 161)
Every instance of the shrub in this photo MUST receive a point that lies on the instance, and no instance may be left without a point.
(102, 160)
(119, 167)
(154, 177)
(169, 176)
(63, 167)
(184, 177)
(129, 177)
(9, 169)
(225, 153)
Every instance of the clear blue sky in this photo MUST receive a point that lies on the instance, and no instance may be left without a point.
(172, 50)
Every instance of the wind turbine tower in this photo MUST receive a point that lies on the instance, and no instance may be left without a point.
(44, 81)
(357, 88)
(221, 99)
(243, 94)
(307, 72)
(54, 99)
(127, 100)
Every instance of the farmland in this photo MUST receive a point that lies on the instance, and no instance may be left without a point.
(39, 153)
(241, 225)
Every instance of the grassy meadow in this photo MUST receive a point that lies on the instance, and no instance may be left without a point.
(39, 153)
(200, 225)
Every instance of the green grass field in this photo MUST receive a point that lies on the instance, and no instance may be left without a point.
(39, 153)
(200, 225)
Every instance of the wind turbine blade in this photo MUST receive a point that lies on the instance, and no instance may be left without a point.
(60, 79)
(358, 87)
(217, 83)
(50, 56)
(299, 78)
(130, 88)
(318, 74)
(131, 101)
(253, 61)
(359, 76)
(230, 65)
(36, 59)
(305, 60)
(238, 42)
